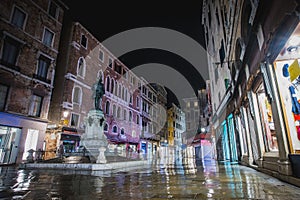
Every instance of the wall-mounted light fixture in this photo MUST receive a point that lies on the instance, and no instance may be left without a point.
(65, 113)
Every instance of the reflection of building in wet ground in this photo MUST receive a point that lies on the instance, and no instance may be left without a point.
(210, 180)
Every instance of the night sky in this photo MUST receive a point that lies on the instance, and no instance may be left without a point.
(107, 18)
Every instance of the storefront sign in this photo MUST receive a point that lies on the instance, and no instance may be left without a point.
(294, 70)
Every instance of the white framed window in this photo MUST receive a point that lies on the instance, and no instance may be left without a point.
(124, 115)
(35, 107)
(48, 37)
(112, 85)
(101, 55)
(53, 10)
(130, 116)
(115, 129)
(83, 41)
(81, 67)
(114, 110)
(119, 113)
(122, 131)
(107, 107)
(77, 95)
(18, 17)
(10, 52)
(74, 119)
(43, 67)
(3, 94)
(137, 102)
(107, 83)
(110, 62)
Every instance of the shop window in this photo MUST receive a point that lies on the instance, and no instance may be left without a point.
(3, 95)
(53, 10)
(74, 119)
(10, 52)
(83, 41)
(43, 67)
(81, 67)
(77, 95)
(266, 115)
(48, 37)
(18, 18)
(35, 106)
(30, 142)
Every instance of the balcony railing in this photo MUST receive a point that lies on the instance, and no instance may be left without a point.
(9, 65)
(36, 76)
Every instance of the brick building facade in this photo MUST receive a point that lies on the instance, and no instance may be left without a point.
(30, 36)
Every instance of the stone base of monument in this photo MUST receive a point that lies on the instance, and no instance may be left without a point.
(94, 139)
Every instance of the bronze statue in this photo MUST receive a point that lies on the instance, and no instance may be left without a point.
(98, 92)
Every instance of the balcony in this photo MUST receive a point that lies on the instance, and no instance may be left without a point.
(44, 79)
(9, 65)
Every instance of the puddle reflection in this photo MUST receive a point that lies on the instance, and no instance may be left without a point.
(167, 178)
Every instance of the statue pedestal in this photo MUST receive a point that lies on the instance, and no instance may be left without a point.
(94, 139)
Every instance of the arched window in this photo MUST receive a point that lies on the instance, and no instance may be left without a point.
(112, 85)
(122, 131)
(107, 108)
(114, 110)
(130, 116)
(137, 119)
(120, 91)
(107, 83)
(106, 127)
(116, 89)
(77, 95)
(115, 129)
(123, 93)
(119, 113)
(81, 67)
(124, 115)
(133, 134)
(126, 95)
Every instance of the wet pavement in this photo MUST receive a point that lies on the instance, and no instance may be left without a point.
(184, 179)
